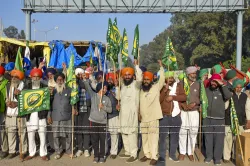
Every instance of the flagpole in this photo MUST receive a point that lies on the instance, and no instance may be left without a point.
(119, 89)
(138, 58)
(200, 136)
(103, 74)
(20, 137)
(73, 125)
(241, 151)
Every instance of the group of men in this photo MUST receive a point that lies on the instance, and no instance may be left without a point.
(137, 103)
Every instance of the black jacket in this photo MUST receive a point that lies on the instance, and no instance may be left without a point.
(216, 101)
(114, 102)
(240, 107)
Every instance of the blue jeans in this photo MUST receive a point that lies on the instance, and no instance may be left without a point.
(174, 137)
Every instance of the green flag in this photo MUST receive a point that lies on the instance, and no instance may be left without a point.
(19, 61)
(135, 50)
(169, 58)
(71, 82)
(116, 42)
(234, 119)
(34, 100)
(203, 99)
(124, 48)
(186, 87)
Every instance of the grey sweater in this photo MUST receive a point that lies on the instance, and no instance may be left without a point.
(96, 115)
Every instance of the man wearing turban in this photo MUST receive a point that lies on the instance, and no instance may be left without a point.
(36, 121)
(50, 73)
(190, 116)
(3, 84)
(242, 107)
(82, 118)
(203, 77)
(129, 96)
(172, 94)
(113, 117)
(217, 93)
(150, 113)
(60, 115)
(11, 122)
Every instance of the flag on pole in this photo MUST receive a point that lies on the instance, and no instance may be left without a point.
(34, 100)
(169, 58)
(234, 119)
(116, 42)
(124, 48)
(186, 86)
(19, 62)
(71, 82)
(203, 99)
(27, 51)
(136, 42)
(109, 37)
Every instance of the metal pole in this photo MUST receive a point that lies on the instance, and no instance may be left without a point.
(239, 39)
(28, 24)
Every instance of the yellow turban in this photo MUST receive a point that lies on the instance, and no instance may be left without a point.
(128, 70)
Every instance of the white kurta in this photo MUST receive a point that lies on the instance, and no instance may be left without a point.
(130, 105)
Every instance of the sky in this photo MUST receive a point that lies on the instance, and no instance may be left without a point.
(82, 27)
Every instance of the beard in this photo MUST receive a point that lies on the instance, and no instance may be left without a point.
(15, 83)
(146, 87)
(36, 83)
(1, 78)
(51, 82)
(192, 79)
(110, 86)
(213, 87)
(60, 88)
(128, 82)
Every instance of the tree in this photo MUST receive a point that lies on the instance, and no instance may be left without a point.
(204, 39)
(21, 35)
(11, 32)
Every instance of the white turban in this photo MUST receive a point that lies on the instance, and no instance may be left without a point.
(79, 71)
(191, 69)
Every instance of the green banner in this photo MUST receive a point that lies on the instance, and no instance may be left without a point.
(34, 100)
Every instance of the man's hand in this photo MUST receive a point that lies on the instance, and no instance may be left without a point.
(116, 83)
(49, 121)
(101, 106)
(41, 65)
(220, 82)
(139, 117)
(74, 111)
(248, 124)
(160, 63)
(17, 92)
(169, 98)
(8, 103)
(118, 107)
(64, 66)
(135, 62)
(191, 106)
(13, 104)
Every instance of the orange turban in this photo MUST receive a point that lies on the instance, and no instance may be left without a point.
(128, 70)
(36, 72)
(17, 73)
(110, 75)
(149, 75)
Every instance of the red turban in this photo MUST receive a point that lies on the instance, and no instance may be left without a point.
(110, 75)
(36, 72)
(128, 70)
(149, 75)
(215, 77)
(2, 70)
(17, 73)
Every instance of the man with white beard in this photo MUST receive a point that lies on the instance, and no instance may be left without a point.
(36, 121)
(12, 120)
(50, 73)
(190, 117)
(61, 115)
